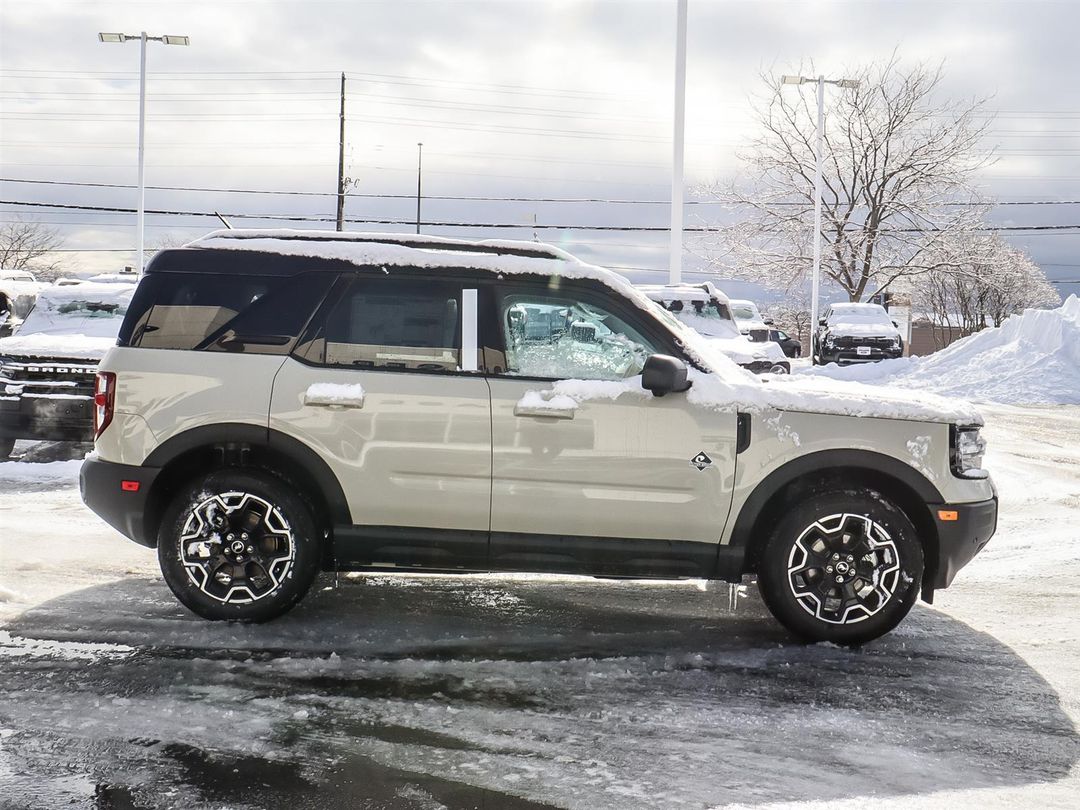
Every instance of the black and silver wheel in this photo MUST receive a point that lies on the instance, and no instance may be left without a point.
(238, 545)
(842, 566)
(780, 368)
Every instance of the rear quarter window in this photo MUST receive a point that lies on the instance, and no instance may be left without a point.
(218, 312)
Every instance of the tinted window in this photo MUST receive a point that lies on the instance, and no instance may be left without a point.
(390, 324)
(558, 337)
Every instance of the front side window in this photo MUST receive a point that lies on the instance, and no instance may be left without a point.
(386, 324)
(559, 337)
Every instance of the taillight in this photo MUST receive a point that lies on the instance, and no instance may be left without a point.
(104, 399)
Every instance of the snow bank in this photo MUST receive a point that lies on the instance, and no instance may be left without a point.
(1032, 358)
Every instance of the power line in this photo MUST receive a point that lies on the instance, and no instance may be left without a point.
(493, 225)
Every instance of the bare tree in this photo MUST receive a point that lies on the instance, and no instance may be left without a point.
(792, 314)
(896, 183)
(981, 285)
(31, 246)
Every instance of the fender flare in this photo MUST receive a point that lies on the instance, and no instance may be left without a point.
(234, 433)
(821, 462)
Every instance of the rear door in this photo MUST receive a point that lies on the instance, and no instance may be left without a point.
(603, 477)
(381, 389)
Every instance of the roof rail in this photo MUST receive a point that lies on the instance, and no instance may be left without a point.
(492, 247)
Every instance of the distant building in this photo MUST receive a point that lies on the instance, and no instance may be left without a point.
(928, 337)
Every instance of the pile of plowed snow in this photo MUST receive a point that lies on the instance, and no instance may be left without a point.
(1032, 358)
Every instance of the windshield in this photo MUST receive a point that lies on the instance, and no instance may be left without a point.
(870, 314)
(73, 314)
(745, 312)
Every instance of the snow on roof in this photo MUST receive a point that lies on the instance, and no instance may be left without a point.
(101, 292)
(727, 388)
(683, 292)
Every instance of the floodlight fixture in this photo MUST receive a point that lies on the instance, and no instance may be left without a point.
(172, 39)
(112, 37)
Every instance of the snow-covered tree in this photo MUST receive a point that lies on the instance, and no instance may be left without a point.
(898, 161)
(981, 280)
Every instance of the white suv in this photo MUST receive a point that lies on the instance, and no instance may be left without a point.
(284, 402)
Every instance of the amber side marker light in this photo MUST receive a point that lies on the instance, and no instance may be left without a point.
(946, 514)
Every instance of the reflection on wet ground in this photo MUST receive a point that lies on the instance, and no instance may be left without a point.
(507, 692)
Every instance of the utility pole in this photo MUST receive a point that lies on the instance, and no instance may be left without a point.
(419, 166)
(341, 160)
(675, 260)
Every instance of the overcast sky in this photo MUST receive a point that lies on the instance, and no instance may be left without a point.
(511, 99)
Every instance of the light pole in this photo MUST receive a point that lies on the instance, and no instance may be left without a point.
(678, 136)
(815, 283)
(168, 39)
(419, 164)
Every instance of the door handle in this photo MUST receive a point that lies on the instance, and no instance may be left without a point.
(546, 405)
(328, 395)
(544, 412)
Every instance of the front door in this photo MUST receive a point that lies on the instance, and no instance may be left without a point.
(379, 390)
(590, 472)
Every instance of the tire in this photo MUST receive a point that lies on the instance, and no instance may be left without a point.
(780, 368)
(6, 446)
(265, 568)
(859, 535)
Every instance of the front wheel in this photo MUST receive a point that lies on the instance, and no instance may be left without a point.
(238, 545)
(841, 566)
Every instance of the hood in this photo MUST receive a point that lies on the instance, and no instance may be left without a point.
(74, 346)
(861, 329)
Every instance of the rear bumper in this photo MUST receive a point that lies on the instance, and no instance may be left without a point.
(961, 539)
(47, 418)
(102, 485)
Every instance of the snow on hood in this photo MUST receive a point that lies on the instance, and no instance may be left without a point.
(73, 345)
(727, 387)
(863, 329)
(1033, 358)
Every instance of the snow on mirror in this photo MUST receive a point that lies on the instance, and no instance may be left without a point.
(557, 338)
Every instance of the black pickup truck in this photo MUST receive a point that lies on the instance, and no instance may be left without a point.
(47, 368)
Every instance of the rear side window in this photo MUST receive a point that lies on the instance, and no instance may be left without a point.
(391, 325)
(217, 312)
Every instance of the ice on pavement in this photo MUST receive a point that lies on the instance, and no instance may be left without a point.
(1032, 358)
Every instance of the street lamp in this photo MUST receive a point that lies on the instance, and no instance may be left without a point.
(168, 39)
(815, 284)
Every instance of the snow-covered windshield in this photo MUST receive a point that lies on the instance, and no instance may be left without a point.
(744, 311)
(859, 313)
(83, 309)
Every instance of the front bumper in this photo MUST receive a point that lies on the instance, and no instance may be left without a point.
(960, 538)
(56, 418)
(844, 356)
(110, 490)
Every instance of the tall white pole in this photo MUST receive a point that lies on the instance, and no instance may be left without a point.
(142, 133)
(675, 272)
(815, 284)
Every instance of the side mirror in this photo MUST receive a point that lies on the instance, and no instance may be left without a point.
(664, 374)
(894, 323)
(821, 321)
(769, 322)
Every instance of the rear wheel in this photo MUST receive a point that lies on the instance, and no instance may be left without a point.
(238, 545)
(842, 566)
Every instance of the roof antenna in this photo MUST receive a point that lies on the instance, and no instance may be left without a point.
(224, 221)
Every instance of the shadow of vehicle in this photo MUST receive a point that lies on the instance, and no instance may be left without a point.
(510, 692)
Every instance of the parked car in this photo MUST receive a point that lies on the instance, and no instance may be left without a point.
(856, 333)
(18, 290)
(47, 369)
(750, 320)
(705, 309)
(792, 347)
(282, 402)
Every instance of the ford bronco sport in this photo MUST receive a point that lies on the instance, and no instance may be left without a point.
(283, 402)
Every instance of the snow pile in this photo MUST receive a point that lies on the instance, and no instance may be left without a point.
(333, 394)
(1032, 358)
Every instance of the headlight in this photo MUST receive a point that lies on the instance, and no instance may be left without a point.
(967, 451)
(829, 341)
(896, 342)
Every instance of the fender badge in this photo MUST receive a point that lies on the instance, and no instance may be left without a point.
(701, 461)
